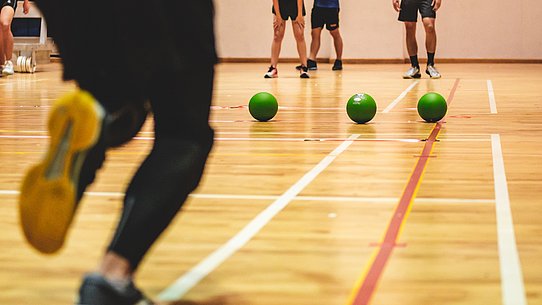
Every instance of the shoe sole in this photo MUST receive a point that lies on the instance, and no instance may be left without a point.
(413, 76)
(47, 201)
(7, 73)
(433, 77)
(298, 68)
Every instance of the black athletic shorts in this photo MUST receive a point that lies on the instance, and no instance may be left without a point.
(12, 3)
(325, 16)
(410, 8)
(288, 9)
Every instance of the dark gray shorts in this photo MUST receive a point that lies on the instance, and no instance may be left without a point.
(410, 8)
(288, 9)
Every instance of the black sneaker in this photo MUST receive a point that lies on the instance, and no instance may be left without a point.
(51, 190)
(96, 290)
(304, 72)
(338, 65)
(311, 64)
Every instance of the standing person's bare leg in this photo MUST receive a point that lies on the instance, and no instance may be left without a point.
(316, 34)
(412, 48)
(279, 28)
(299, 35)
(6, 16)
(431, 46)
(338, 44)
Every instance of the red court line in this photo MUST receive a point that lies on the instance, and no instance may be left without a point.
(366, 290)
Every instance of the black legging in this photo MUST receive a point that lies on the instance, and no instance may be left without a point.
(117, 52)
(174, 166)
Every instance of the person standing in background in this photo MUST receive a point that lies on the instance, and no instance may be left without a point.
(408, 14)
(6, 36)
(325, 12)
(282, 11)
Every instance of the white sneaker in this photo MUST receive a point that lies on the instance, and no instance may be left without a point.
(413, 72)
(432, 72)
(272, 73)
(8, 68)
(304, 72)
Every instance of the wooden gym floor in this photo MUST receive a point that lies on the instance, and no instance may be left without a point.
(311, 208)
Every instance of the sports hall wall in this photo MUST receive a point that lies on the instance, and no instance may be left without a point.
(467, 29)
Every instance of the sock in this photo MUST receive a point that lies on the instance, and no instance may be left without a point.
(430, 59)
(120, 285)
(414, 61)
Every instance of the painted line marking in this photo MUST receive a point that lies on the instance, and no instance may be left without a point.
(400, 97)
(215, 259)
(300, 198)
(271, 139)
(216, 107)
(23, 137)
(513, 290)
(246, 133)
(366, 285)
(491, 95)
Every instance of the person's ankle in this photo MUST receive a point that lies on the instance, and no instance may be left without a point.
(115, 267)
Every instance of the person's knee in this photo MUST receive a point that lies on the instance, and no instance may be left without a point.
(186, 158)
(429, 28)
(335, 33)
(278, 36)
(5, 26)
(299, 36)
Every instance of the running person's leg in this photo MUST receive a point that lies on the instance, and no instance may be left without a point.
(180, 101)
(80, 126)
(183, 137)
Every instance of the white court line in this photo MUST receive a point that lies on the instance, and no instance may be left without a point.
(23, 137)
(491, 94)
(271, 139)
(211, 262)
(301, 198)
(513, 290)
(400, 97)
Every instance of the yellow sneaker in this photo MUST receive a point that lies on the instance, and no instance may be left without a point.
(51, 190)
